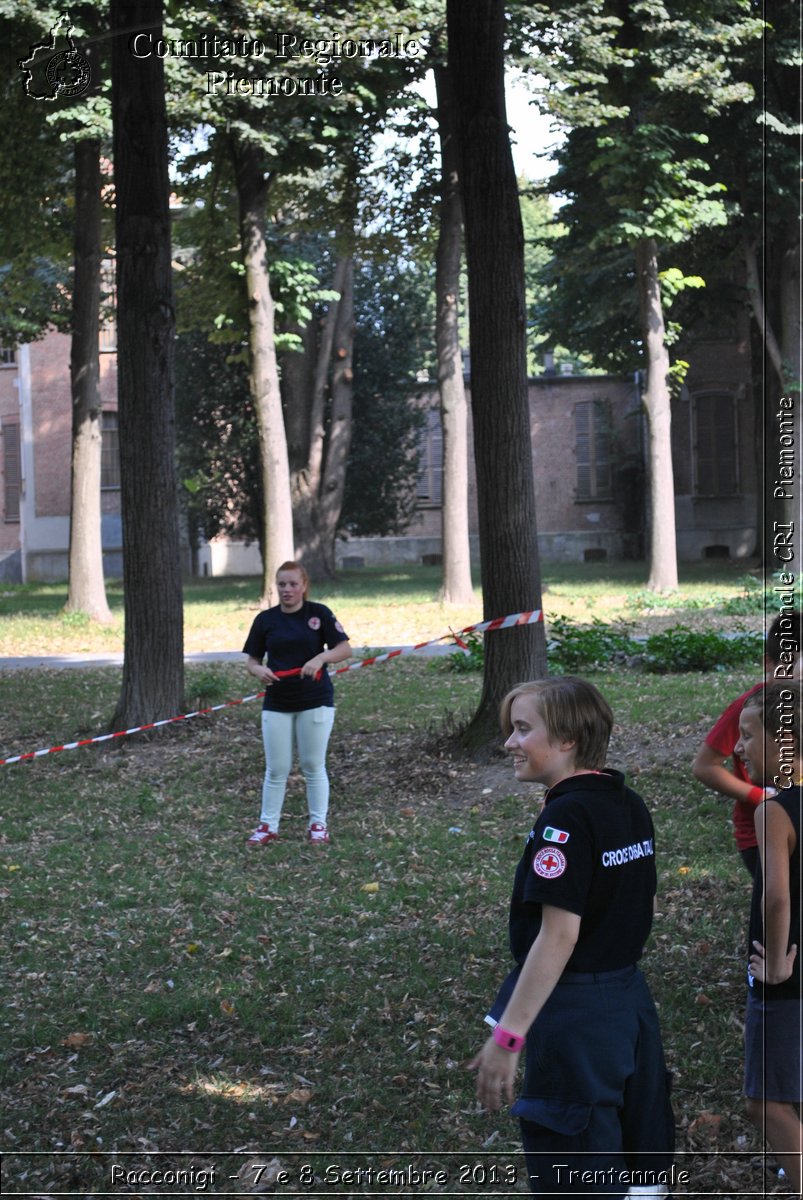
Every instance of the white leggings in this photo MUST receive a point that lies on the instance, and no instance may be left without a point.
(311, 730)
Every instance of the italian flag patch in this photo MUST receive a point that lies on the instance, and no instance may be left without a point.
(555, 835)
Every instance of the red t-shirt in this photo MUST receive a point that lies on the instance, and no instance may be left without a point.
(722, 738)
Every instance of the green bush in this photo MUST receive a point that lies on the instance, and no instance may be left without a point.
(474, 660)
(574, 648)
(683, 649)
(753, 599)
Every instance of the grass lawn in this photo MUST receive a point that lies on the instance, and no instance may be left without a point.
(167, 990)
(377, 606)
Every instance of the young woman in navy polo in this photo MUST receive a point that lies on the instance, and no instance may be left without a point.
(594, 1110)
(288, 649)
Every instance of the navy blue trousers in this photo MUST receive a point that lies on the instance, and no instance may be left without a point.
(596, 1089)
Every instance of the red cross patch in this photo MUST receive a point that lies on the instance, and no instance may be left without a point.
(549, 863)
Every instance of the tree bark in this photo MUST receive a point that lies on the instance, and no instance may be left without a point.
(663, 544)
(791, 339)
(87, 589)
(277, 546)
(779, 504)
(338, 442)
(509, 561)
(153, 671)
(756, 293)
(456, 549)
(305, 388)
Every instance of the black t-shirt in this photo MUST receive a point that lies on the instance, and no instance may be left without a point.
(289, 640)
(790, 801)
(591, 852)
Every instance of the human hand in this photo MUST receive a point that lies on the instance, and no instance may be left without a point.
(496, 1071)
(760, 969)
(266, 676)
(314, 667)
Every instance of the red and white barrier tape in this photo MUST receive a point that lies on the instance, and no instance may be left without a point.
(525, 618)
(509, 622)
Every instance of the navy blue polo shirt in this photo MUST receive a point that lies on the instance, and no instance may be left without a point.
(591, 852)
(287, 641)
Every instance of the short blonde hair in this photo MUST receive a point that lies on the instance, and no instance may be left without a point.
(573, 711)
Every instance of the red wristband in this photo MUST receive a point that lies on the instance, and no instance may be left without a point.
(508, 1041)
(755, 795)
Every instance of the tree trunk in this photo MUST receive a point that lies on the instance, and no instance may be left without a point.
(456, 587)
(663, 544)
(277, 544)
(756, 294)
(781, 395)
(153, 672)
(791, 341)
(338, 441)
(772, 500)
(87, 589)
(502, 447)
(305, 390)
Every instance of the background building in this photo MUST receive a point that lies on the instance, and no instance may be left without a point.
(589, 455)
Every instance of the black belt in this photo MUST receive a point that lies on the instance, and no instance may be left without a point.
(595, 976)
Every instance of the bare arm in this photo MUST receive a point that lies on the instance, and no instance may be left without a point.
(264, 674)
(775, 834)
(258, 669)
(335, 654)
(709, 767)
(542, 969)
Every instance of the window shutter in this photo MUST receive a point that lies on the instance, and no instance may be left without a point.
(603, 467)
(582, 449)
(592, 448)
(715, 448)
(436, 457)
(109, 451)
(12, 472)
(429, 487)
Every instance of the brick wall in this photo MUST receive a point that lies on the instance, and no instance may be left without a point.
(570, 527)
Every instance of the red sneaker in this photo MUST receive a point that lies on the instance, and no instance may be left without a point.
(318, 834)
(262, 835)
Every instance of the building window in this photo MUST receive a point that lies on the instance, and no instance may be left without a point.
(592, 448)
(107, 337)
(12, 473)
(8, 356)
(109, 451)
(429, 489)
(716, 451)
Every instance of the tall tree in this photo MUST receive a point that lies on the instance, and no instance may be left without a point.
(87, 587)
(273, 143)
(87, 590)
(393, 309)
(633, 81)
(252, 178)
(35, 193)
(317, 390)
(79, 122)
(457, 587)
(497, 313)
(153, 671)
(757, 148)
